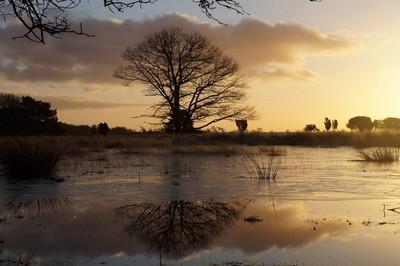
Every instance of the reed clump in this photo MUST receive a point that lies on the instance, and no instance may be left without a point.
(31, 157)
(265, 168)
(381, 155)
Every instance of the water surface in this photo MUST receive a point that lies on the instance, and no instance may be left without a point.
(326, 208)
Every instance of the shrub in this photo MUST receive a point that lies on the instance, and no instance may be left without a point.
(29, 157)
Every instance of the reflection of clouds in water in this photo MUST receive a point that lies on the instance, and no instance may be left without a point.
(90, 233)
(282, 227)
(179, 229)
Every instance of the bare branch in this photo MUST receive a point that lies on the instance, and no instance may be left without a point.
(196, 83)
(50, 17)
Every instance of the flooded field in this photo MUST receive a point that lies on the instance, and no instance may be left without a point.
(117, 208)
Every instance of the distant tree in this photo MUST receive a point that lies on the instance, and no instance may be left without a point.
(392, 123)
(335, 124)
(26, 116)
(241, 125)
(311, 128)
(103, 128)
(328, 124)
(377, 124)
(121, 131)
(360, 123)
(196, 84)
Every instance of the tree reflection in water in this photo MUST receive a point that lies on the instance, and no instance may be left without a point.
(177, 228)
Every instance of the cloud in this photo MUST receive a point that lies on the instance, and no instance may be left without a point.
(75, 103)
(275, 74)
(253, 43)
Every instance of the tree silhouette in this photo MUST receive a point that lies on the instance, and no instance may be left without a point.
(241, 125)
(178, 228)
(26, 116)
(360, 123)
(328, 124)
(391, 123)
(103, 128)
(311, 128)
(197, 84)
(335, 124)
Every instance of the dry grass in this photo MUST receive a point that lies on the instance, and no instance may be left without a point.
(208, 149)
(31, 157)
(262, 167)
(381, 155)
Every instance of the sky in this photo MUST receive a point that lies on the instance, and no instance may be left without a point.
(303, 60)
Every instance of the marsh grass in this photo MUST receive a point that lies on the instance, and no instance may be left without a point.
(262, 167)
(31, 157)
(381, 155)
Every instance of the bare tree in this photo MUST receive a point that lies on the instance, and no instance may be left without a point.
(197, 84)
(41, 17)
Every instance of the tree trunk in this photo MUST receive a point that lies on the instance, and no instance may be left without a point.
(176, 116)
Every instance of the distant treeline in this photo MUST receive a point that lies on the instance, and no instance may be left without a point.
(23, 115)
(365, 123)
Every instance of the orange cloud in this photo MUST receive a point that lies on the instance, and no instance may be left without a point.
(253, 43)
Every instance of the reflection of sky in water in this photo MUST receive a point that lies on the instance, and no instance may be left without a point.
(325, 209)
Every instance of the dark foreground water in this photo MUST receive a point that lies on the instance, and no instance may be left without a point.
(326, 208)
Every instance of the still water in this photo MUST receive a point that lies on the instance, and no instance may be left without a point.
(326, 208)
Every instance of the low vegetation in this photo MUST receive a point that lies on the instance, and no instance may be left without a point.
(381, 155)
(262, 167)
(30, 157)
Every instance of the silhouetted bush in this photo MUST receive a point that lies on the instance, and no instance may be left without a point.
(327, 123)
(103, 128)
(241, 125)
(26, 116)
(335, 124)
(360, 123)
(311, 128)
(30, 157)
(390, 123)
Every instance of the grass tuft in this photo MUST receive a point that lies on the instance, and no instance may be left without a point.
(261, 167)
(30, 157)
(381, 155)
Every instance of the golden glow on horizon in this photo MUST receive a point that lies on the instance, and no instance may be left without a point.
(296, 77)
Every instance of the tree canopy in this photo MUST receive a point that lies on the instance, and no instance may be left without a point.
(26, 116)
(360, 123)
(196, 84)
